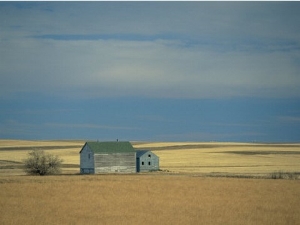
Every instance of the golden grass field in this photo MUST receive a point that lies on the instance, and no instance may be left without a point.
(147, 199)
(177, 157)
(184, 192)
(227, 158)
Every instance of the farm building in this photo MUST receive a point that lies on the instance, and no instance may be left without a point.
(107, 157)
(115, 157)
(146, 161)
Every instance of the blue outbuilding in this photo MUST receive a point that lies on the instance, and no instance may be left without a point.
(146, 161)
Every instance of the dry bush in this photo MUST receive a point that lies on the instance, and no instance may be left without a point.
(41, 163)
(226, 159)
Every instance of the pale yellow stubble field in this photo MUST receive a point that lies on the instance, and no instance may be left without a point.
(179, 197)
(176, 157)
(13, 152)
(147, 199)
(232, 158)
(26, 143)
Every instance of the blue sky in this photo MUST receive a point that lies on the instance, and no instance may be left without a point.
(150, 71)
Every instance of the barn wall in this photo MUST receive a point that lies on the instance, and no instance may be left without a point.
(148, 162)
(86, 160)
(115, 162)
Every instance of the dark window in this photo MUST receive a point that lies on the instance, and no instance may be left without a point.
(149, 163)
(89, 155)
(149, 156)
(142, 163)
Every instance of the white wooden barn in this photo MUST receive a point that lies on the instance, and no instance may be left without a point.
(107, 157)
(115, 157)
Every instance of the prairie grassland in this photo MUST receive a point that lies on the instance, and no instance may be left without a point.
(178, 157)
(226, 158)
(36, 144)
(147, 199)
(183, 196)
(13, 152)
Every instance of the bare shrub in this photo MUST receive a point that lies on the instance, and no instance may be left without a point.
(41, 163)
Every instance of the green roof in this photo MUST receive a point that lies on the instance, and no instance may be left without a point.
(110, 147)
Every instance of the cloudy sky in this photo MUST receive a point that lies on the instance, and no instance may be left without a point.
(153, 71)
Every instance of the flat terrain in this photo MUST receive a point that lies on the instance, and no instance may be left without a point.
(213, 158)
(147, 199)
(13, 152)
(226, 158)
(194, 186)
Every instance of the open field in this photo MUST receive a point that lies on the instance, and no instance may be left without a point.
(227, 158)
(214, 158)
(13, 152)
(183, 193)
(147, 199)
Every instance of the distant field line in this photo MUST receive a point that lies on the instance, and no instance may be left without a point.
(202, 146)
(39, 147)
(262, 152)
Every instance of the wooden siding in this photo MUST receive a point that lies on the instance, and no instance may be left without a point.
(115, 162)
(86, 160)
(147, 161)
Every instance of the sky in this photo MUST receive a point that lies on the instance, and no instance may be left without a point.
(150, 71)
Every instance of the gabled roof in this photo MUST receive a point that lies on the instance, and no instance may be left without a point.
(110, 147)
(139, 153)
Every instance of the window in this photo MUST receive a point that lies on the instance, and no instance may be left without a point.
(142, 163)
(89, 155)
(149, 163)
(149, 156)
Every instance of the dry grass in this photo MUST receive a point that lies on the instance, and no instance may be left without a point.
(178, 157)
(147, 199)
(13, 152)
(24, 143)
(227, 158)
(185, 196)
